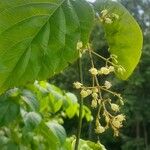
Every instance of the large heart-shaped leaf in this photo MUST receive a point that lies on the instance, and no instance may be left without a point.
(124, 36)
(38, 37)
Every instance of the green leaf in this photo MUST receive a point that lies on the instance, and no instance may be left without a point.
(9, 110)
(96, 146)
(49, 136)
(124, 36)
(54, 133)
(69, 144)
(73, 99)
(13, 92)
(11, 146)
(58, 131)
(71, 105)
(83, 145)
(30, 99)
(55, 96)
(32, 120)
(87, 114)
(88, 145)
(38, 38)
(55, 103)
(3, 140)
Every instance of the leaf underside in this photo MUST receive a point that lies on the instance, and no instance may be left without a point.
(124, 36)
(38, 38)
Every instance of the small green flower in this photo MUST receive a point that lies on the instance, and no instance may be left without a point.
(93, 71)
(77, 85)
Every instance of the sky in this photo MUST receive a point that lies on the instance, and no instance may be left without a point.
(95, 0)
(91, 0)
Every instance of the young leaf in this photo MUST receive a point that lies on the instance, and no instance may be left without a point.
(55, 103)
(89, 145)
(32, 120)
(38, 38)
(58, 131)
(70, 105)
(54, 134)
(29, 98)
(123, 34)
(95, 146)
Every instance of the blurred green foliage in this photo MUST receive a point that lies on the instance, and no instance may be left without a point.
(136, 132)
(32, 117)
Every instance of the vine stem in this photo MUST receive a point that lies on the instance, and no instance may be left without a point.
(97, 83)
(80, 107)
(103, 58)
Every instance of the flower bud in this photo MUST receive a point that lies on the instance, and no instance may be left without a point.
(107, 84)
(77, 85)
(94, 103)
(104, 12)
(79, 45)
(95, 90)
(115, 16)
(115, 107)
(104, 70)
(95, 95)
(99, 129)
(111, 68)
(84, 93)
(89, 92)
(99, 101)
(108, 21)
(107, 119)
(116, 123)
(120, 117)
(93, 71)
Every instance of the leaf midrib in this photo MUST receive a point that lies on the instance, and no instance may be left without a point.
(59, 5)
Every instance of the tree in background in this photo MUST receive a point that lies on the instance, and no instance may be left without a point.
(137, 88)
(38, 40)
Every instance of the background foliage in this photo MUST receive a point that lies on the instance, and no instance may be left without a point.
(32, 117)
(42, 108)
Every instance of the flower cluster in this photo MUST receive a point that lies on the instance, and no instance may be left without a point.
(108, 114)
(112, 118)
(117, 123)
(108, 17)
(102, 71)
